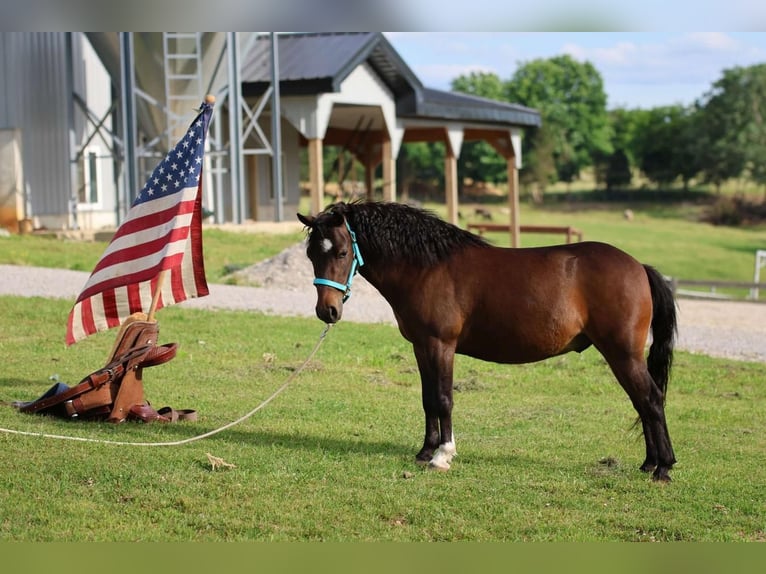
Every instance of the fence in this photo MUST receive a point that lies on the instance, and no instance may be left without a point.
(713, 288)
(569, 232)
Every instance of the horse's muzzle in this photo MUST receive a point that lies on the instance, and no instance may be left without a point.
(329, 313)
(329, 307)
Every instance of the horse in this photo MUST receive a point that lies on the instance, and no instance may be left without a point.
(452, 292)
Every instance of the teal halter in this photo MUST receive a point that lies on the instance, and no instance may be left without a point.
(358, 262)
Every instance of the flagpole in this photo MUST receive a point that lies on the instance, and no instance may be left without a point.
(156, 295)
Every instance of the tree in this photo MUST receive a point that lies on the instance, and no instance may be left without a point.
(665, 145)
(733, 121)
(478, 160)
(571, 98)
(539, 170)
(616, 170)
(626, 127)
(421, 162)
(482, 84)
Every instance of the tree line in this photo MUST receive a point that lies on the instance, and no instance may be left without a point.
(720, 137)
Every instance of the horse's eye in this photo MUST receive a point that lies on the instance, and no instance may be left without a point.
(342, 254)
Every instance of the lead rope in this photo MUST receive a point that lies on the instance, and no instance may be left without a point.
(244, 417)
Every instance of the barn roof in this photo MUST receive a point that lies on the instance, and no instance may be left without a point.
(315, 63)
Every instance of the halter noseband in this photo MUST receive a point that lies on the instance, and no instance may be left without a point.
(358, 262)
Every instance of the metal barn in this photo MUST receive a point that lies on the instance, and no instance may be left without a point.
(84, 118)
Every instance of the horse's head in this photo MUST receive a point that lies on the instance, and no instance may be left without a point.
(335, 256)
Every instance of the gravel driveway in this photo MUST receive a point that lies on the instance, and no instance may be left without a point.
(282, 286)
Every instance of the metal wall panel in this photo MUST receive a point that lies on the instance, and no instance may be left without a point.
(36, 89)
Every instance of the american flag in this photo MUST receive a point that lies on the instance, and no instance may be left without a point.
(162, 232)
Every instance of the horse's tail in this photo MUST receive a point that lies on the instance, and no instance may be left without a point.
(664, 328)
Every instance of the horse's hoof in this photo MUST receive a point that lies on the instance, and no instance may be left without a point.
(422, 462)
(441, 467)
(661, 477)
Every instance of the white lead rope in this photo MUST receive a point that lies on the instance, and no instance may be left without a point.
(244, 417)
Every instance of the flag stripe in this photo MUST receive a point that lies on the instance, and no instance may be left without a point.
(155, 229)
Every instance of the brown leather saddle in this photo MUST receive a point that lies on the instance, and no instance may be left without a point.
(115, 392)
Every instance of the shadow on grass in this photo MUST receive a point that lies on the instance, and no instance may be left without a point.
(473, 455)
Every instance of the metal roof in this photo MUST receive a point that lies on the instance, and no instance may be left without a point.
(315, 63)
(319, 62)
(466, 107)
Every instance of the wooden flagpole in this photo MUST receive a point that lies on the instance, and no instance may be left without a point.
(156, 294)
(139, 316)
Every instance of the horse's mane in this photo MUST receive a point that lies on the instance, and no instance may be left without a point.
(399, 232)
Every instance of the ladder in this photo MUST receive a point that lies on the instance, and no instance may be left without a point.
(183, 80)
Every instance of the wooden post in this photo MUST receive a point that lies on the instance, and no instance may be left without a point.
(513, 200)
(369, 176)
(156, 295)
(450, 183)
(389, 172)
(316, 175)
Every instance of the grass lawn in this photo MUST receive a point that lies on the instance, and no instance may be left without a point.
(546, 451)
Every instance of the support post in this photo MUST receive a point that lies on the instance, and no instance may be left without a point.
(389, 172)
(450, 183)
(316, 175)
(127, 93)
(276, 132)
(513, 201)
(235, 128)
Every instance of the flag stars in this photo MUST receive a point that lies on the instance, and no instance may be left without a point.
(178, 169)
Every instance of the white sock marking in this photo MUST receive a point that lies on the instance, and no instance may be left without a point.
(443, 455)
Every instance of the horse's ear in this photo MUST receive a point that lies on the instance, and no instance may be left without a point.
(336, 218)
(307, 220)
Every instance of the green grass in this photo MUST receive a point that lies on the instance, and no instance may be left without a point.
(546, 451)
(667, 236)
(224, 251)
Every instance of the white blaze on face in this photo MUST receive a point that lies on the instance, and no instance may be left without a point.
(326, 245)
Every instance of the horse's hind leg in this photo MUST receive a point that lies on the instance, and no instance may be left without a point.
(648, 400)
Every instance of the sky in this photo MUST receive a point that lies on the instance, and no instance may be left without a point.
(639, 69)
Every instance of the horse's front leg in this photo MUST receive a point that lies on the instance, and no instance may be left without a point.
(435, 362)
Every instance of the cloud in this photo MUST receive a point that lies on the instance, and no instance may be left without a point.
(685, 58)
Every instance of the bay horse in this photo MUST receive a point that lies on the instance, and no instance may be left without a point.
(453, 292)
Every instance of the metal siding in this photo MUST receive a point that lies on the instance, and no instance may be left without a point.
(35, 87)
(8, 84)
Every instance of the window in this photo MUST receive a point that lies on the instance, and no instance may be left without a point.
(90, 190)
